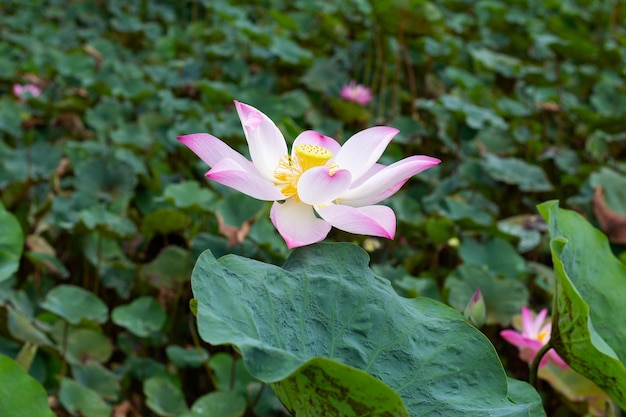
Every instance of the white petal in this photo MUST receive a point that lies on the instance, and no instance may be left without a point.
(387, 181)
(231, 174)
(297, 224)
(368, 220)
(362, 150)
(266, 143)
(317, 186)
(370, 172)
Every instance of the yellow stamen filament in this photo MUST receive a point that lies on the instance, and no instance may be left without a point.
(290, 168)
(543, 336)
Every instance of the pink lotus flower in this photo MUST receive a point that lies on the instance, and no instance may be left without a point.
(534, 334)
(357, 93)
(319, 184)
(23, 92)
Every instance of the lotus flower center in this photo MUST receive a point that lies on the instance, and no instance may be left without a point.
(305, 157)
(543, 337)
(310, 156)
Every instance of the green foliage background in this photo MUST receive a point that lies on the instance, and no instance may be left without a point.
(523, 101)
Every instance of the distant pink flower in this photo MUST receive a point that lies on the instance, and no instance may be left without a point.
(357, 93)
(25, 91)
(319, 184)
(535, 333)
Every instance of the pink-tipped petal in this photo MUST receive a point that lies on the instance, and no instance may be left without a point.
(368, 220)
(531, 324)
(212, 150)
(318, 186)
(514, 338)
(315, 138)
(229, 173)
(387, 181)
(528, 322)
(297, 224)
(556, 359)
(266, 143)
(362, 150)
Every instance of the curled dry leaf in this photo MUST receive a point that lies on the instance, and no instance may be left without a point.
(549, 106)
(36, 80)
(612, 223)
(235, 235)
(94, 53)
(125, 409)
(71, 122)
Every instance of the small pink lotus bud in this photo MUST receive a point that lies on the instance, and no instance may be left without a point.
(476, 310)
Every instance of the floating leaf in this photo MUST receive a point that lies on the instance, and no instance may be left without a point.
(327, 318)
(95, 376)
(23, 329)
(83, 305)
(496, 255)
(230, 376)
(164, 221)
(23, 396)
(81, 401)
(98, 216)
(237, 208)
(504, 64)
(589, 299)
(141, 317)
(169, 269)
(608, 95)
(219, 404)
(86, 344)
(476, 117)
(517, 172)
(186, 357)
(526, 227)
(108, 179)
(11, 243)
(504, 297)
(189, 195)
(163, 397)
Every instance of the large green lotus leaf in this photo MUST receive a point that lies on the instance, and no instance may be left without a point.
(521, 392)
(20, 394)
(75, 304)
(11, 243)
(323, 386)
(587, 321)
(325, 318)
